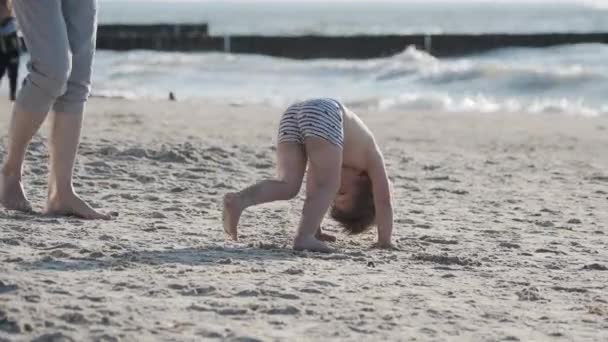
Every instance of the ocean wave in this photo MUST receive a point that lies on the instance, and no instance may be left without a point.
(556, 79)
(484, 104)
(535, 73)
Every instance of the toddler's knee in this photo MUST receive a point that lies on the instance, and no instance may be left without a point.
(292, 189)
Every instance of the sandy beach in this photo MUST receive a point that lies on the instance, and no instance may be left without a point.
(501, 224)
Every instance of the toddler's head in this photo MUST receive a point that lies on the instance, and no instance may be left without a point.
(353, 206)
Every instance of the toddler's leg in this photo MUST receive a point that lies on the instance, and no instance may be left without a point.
(291, 165)
(325, 165)
(310, 184)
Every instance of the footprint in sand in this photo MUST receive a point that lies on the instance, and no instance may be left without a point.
(310, 290)
(293, 271)
(546, 250)
(248, 293)
(177, 189)
(135, 152)
(445, 259)
(96, 255)
(144, 179)
(262, 165)
(66, 245)
(157, 215)
(6, 288)
(32, 298)
(129, 197)
(570, 289)
(545, 224)
(8, 325)
(509, 245)
(106, 237)
(208, 334)
(245, 339)
(325, 283)
(58, 253)
(231, 312)
(441, 241)
(595, 267)
(529, 294)
(281, 295)
(94, 299)
(223, 312)
(54, 337)
(74, 318)
(199, 291)
(430, 167)
(105, 338)
(287, 310)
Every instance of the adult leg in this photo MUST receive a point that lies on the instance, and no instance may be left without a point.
(325, 163)
(45, 34)
(291, 165)
(80, 18)
(62, 199)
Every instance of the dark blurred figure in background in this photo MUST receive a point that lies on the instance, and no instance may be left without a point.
(9, 46)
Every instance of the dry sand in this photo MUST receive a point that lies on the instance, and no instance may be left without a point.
(501, 222)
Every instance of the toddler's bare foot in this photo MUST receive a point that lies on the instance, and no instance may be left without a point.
(12, 196)
(231, 214)
(310, 243)
(72, 205)
(324, 237)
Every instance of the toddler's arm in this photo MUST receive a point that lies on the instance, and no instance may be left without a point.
(382, 198)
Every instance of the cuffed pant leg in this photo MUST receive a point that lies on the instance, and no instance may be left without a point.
(81, 22)
(45, 33)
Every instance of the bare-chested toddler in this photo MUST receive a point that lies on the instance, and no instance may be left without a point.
(346, 176)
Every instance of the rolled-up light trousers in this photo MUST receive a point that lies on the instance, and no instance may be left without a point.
(60, 38)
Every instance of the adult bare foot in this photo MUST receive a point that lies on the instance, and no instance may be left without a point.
(72, 205)
(12, 196)
(231, 214)
(310, 243)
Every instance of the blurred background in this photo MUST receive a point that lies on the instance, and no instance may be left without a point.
(570, 78)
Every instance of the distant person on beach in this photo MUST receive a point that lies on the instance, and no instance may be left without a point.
(345, 172)
(60, 37)
(9, 47)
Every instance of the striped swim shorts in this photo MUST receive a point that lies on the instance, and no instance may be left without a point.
(321, 118)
